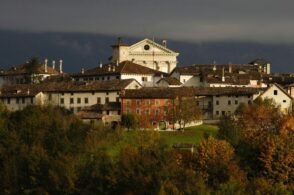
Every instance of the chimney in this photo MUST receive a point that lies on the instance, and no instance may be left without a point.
(53, 64)
(214, 68)
(113, 69)
(60, 66)
(223, 74)
(161, 75)
(164, 43)
(109, 68)
(46, 64)
(100, 65)
(117, 63)
(83, 71)
(28, 91)
(230, 68)
(268, 68)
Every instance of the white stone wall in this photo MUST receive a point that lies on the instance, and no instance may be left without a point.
(19, 103)
(221, 105)
(280, 98)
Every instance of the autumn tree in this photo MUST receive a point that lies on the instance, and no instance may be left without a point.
(184, 110)
(215, 162)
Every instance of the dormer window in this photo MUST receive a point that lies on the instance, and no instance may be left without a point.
(275, 92)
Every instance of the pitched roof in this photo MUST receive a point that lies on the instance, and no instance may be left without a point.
(170, 81)
(24, 69)
(65, 86)
(168, 93)
(259, 61)
(18, 90)
(125, 67)
(279, 87)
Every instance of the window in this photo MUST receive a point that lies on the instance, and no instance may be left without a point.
(71, 109)
(138, 102)
(98, 100)
(8, 100)
(93, 93)
(102, 78)
(108, 78)
(78, 100)
(71, 94)
(107, 100)
(17, 100)
(32, 100)
(50, 97)
(128, 102)
(275, 92)
(249, 101)
(86, 100)
(78, 109)
(144, 79)
(117, 99)
(217, 112)
(97, 78)
(229, 102)
(62, 93)
(71, 100)
(23, 100)
(157, 112)
(223, 113)
(61, 100)
(236, 102)
(147, 111)
(107, 93)
(117, 93)
(117, 77)
(128, 111)
(217, 102)
(147, 102)
(284, 101)
(138, 111)
(156, 102)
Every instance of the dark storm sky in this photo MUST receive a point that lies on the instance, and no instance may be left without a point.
(190, 20)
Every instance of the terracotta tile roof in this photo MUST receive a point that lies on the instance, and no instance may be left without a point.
(125, 67)
(23, 69)
(203, 69)
(170, 81)
(81, 86)
(18, 90)
(66, 86)
(158, 92)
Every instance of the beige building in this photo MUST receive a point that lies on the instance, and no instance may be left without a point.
(280, 97)
(71, 95)
(21, 74)
(146, 53)
(124, 70)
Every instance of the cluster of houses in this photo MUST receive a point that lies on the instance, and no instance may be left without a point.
(144, 79)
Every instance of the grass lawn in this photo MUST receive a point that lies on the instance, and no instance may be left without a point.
(191, 135)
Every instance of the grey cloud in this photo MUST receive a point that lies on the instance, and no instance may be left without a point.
(190, 20)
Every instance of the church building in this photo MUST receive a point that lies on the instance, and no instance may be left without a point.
(146, 53)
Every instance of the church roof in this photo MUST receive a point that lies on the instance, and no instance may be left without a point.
(24, 69)
(125, 67)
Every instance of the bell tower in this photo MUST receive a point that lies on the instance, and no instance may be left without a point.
(120, 51)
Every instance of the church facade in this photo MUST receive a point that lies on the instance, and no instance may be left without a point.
(146, 53)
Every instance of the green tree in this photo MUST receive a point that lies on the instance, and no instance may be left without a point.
(130, 121)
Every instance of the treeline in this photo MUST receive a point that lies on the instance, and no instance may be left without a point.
(47, 150)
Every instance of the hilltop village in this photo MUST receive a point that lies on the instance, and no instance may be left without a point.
(144, 79)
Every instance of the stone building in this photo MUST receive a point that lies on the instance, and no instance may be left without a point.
(147, 53)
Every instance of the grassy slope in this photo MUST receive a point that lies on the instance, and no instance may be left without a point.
(192, 135)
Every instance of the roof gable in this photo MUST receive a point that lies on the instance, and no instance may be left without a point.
(278, 87)
(155, 47)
